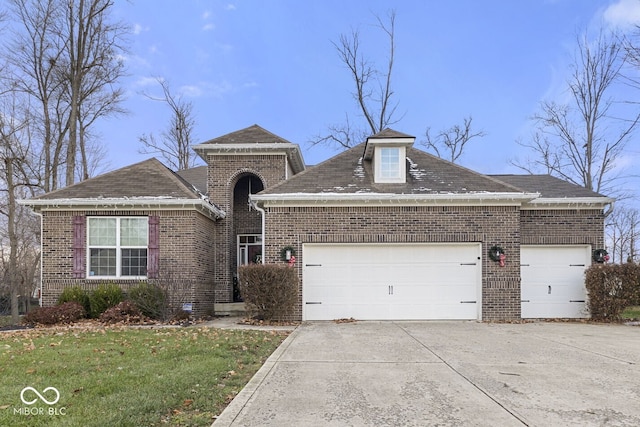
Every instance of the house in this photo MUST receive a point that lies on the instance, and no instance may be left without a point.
(380, 231)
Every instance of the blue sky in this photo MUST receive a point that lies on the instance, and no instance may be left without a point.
(271, 62)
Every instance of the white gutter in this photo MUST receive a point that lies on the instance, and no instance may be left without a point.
(259, 209)
(569, 202)
(128, 203)
(395, 199)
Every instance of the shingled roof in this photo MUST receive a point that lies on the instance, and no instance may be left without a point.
(196, 176)
(349, 173)
(148, 183)
(252, 135)
(147, 179)
(252, 140)
(548, 186)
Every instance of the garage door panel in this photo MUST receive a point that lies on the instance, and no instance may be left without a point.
(553, 281)
(392, 281)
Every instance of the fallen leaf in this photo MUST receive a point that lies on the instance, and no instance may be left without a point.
(187, 402)
(2, 407)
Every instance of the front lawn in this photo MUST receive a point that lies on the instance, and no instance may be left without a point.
(126, 377)
(631, 313)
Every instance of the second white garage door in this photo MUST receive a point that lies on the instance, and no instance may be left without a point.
(391, 281)
(553, 281)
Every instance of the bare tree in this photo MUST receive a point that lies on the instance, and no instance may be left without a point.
(65, 57)
(449, 144)
(582, 139)
(623, 234)
(175, 141)
(91, 45)
(34, 55)
(14, 167)
(373, 90)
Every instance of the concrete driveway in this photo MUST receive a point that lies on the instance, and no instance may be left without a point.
(446, 374)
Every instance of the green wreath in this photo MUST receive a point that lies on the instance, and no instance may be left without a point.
(600, 256)
(283, 252)
(495, 252)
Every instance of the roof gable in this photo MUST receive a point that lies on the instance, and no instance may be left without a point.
(252, 135)
(148, 179)
(253, 140)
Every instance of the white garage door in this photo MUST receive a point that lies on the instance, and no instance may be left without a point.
(391, 281)
(553, 281)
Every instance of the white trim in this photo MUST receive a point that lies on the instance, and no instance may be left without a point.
(568, 203)
(118, 247)
(288, 149)
(167, 203)
(367, 199)
(402, 165)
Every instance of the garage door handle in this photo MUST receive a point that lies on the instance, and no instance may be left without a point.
(576, 300)
(313, 265)
(525, 265)
(313, 302)
(576, 265)
(468, 302)
(467, 263)
(525, 300)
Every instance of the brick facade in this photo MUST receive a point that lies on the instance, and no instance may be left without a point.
(563, 227)
(225, 171)
(506, 226)
(491, 225)
(186, 244)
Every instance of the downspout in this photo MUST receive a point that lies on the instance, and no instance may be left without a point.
(259, 209)
(41, 252)
(610, 210)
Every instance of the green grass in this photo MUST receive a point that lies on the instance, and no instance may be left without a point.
(631, 313)
(5, 321)
(128, 377)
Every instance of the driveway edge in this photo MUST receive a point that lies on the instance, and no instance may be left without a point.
(231, 412)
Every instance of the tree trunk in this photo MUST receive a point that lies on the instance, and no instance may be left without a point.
(14, 283)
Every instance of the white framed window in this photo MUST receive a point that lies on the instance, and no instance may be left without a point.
(390, 164)
(117, 246)
(249, 249)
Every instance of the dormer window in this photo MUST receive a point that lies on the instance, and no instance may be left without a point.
(390, 164)
(388, 152)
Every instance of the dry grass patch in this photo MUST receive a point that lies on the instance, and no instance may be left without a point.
(127, 377)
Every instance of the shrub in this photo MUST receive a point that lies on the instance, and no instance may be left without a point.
(104, 297)
(611, 289)
(151, 300)
(270, 291)
(67, 312)
(75, 294)
(124, 312)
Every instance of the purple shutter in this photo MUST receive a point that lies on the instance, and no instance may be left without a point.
(79, 251)
(153, 253)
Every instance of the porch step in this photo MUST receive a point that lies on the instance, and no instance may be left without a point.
(229, 309)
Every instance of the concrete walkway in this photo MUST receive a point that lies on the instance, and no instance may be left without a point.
(446, 374)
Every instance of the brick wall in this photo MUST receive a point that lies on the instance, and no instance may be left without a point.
(562, 227)
(187, 243)
(294, 226)
(223, 174)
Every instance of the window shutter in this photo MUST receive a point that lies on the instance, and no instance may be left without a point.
(153, 259)
(79, 251)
